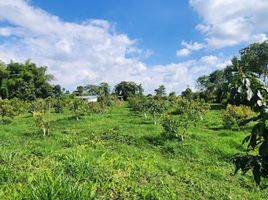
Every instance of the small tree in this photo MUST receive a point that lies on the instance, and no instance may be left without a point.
(7, 111)
(189, 113)
(78, 108)
(156, 108)
(41, 122)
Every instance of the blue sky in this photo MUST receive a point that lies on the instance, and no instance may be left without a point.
(158, 25)
(152, 42)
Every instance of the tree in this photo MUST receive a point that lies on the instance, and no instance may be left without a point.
(7, 111)
(128, 89)
(57, 91)
(156, 108)
(212, 87)
(254, 58)
(41, 122)
(78, 108)
(79, 90)
(24, 80)
(257, 161)
(104, 89)
(92, 89)
(161, 91)
(188, 94)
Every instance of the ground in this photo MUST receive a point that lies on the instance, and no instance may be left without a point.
(120, 155)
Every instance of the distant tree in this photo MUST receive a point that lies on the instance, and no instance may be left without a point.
(57, 91)
(161, 91)
(254, 58)
(128, 89)
(172, 94)
(212, 87)
(188, 94)
(79, 90)
(24, 80)
(92, 89)
(104, 89)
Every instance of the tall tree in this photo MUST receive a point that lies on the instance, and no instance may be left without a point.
(255, 58)
(161, 91)
(24, 80)
(128, 89)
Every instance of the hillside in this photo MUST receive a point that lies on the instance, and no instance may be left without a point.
(120, 155)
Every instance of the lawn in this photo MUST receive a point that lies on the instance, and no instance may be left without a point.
(120, 155)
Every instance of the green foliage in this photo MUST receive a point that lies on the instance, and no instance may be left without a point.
(59, 105)
(128, 89)
(171, 128)
(41, 122)
(19, 105)
(156, 107)
(38, 105)
(119, 155)
(234, 115)
(139, 104)
(161, 91)
(189, 112)
(230, 83)
(25, 81)
(49, 186)
(259, 134)
(78, 107)
(7, 111)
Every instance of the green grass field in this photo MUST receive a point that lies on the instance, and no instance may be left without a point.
(120, 155)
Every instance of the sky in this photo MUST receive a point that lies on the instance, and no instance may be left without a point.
(150, 42)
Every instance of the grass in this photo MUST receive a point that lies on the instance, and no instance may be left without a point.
(120, 155)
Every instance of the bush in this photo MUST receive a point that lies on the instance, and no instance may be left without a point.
(7, 111)
(171, 128)
(234, 115)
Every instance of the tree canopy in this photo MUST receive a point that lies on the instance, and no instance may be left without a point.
(127, 89)
(25, 81)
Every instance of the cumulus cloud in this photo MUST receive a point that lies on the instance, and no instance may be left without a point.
(183, 52)
(189, 47)
(231, 22)
(88, 52)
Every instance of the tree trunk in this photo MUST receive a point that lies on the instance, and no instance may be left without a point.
(44, 132)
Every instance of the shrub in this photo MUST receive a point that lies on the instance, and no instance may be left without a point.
(171, 128)
(234, 115)
(18, 105)
(78, 107)
(38, 105)
(189, 112)
(41, 122)
(7, 111)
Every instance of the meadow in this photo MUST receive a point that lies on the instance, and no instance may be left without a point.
(121, 155)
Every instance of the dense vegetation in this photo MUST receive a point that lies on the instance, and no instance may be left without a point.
(56, 145)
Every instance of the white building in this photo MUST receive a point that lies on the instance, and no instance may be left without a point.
(89, 98)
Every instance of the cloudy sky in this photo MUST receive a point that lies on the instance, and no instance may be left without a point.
(152, 42)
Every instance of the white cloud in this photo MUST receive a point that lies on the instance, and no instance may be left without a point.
(88, 52)
(188, 48)
(192, 45)
(183, 52)
(231, 22)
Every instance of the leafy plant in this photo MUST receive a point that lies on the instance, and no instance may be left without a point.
(78, 107)
(7, 111)
(156, 107)
(41, 122)
(171, 128)
(257, 161)
(234, 115)
(189, 112)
